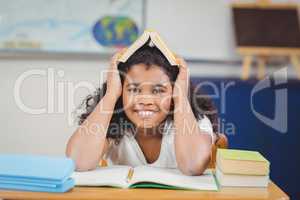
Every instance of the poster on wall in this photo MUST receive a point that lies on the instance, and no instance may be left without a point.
(79, 26)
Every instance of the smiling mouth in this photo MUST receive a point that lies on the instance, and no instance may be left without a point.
(145, 113)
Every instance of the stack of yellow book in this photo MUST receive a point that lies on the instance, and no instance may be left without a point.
(240, 168)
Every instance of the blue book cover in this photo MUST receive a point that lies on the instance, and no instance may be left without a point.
(36, 173)
(66, 186)
(36, 167)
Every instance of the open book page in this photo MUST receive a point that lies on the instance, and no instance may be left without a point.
(135, 46)
(159, 43)
(173, 177)
(115, 176)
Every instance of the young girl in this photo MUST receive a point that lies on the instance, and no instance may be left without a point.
(145, 114)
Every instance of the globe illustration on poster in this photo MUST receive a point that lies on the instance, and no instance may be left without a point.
(115, 31)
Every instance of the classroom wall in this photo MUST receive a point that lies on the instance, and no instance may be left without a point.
(47, 133)
(40, 133)
(195, 29)
(201, 30)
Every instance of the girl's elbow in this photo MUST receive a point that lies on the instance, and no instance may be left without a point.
(80, 164)
(83, 165)
(195, 167)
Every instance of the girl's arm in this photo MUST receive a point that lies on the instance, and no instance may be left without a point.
(192, 146)
(87, 144)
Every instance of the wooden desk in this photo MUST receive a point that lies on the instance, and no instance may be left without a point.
(91, 193)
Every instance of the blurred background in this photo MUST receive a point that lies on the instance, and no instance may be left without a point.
(53, 54)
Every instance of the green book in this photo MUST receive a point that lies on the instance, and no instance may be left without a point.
(233, 161)
(145, 177)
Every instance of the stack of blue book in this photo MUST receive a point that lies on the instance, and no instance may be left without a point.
(36, 173)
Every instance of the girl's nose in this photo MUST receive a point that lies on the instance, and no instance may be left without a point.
(145, 99)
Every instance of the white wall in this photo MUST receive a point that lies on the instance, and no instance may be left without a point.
(193, 28)
(40, 133)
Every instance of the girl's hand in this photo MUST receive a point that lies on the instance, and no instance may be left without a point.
(181, 85)
(114, 85)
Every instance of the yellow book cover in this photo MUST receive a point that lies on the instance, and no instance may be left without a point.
(233, 161)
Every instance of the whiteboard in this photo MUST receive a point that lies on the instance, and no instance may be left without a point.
(91, 26)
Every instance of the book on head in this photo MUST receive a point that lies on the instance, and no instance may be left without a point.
(151, 38)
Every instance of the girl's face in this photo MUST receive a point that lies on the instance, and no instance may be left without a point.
(147, 95)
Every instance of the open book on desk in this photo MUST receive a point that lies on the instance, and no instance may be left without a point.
(144, 177)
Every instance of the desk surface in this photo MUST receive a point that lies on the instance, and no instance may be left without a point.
(92, 193)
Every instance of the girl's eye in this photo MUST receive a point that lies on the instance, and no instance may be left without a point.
(157, 91)
(133, 90)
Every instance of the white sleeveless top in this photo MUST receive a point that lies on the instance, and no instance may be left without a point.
(128, 151)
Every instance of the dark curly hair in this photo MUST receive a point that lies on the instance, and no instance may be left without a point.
(149, 56)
